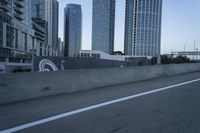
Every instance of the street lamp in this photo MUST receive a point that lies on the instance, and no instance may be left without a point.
(195, 47)
(196, 54)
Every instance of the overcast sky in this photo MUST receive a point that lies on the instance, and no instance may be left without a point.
(180, 23)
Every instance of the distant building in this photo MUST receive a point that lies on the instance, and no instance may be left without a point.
(72, 30)
(60, 47)
(97, 54)
(143, 27)
(41, 30)
(44, 25)
(41, 47)
(128, 60)
(103, 23)
(49, 12)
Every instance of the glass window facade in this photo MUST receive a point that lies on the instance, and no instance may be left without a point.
(73, 30)
(103, 22)
(13, 41)
(143, 27)
(35, 8)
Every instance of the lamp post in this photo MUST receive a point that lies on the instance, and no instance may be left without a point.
(185, 53)
(195, 48)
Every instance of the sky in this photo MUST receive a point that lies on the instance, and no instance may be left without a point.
(180, 24)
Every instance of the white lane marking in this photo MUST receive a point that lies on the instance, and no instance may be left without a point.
(39, 122)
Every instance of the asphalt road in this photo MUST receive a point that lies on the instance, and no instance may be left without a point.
(172, 110)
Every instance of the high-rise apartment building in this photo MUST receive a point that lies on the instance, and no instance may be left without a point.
(103, 24)
(16, 33)
(41, 29)
(143, 27)
(72, 30)
(18, 9)
(49, 12)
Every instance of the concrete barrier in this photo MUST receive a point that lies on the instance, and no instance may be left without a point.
(23, 86)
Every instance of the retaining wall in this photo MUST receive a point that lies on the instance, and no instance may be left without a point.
(23, 86)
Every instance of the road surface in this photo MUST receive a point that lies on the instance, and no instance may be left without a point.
(162, 105)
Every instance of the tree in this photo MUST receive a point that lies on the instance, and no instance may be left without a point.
(165, 59)
(181, 59)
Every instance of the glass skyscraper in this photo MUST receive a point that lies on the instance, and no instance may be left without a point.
(72, 30)
(103, 23)
(143, 27)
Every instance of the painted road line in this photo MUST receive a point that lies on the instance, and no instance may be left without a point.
(53, 118)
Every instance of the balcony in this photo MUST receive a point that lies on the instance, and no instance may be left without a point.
(18, 10)
(4, 8)
(19, 3)
(5, 1)
(18, 16)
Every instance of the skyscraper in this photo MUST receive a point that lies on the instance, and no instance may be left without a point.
(103, 23)
(49, 12)
(143, 27)
(41, 29)
(72, 30)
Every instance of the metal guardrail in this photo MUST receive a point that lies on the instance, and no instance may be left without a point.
(186, 53)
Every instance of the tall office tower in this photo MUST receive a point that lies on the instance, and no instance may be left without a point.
(143, 27)
(49, 12)
(72, 30)
(103, 24)
(16, 33)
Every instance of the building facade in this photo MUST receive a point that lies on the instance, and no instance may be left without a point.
(143, 27)
(101, 55)
(61, 47)
(103, 24)
(72, 30)
(16, 33)
(40, 46)
(36, 7)
(41, 30)
(49, 12)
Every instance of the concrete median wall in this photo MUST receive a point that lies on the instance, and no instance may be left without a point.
(23, 86)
